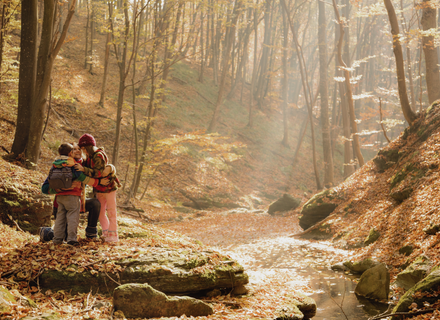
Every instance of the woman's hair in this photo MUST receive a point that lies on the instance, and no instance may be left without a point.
(90, 150)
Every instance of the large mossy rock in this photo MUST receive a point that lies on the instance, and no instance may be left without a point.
(317, 208)
(285, 203)
(165, 269)
(297, 307)
(142, 301)
(359, 267)
(413, 273)
(385, 159)
(374, 283)
(22, 201)
(430, 283)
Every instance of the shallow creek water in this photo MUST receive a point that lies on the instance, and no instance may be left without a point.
(305, 264)
(282, 264)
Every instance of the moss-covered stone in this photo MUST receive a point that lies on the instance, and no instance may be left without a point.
(164, 269)
(406, 250)
(386, 158)
(374, 283)
(401, 175)
(401, 194)
(142, 301)
(432, 229)
(6, 299)
(297, 307)
(360, 267)
(431, 282)
(372, 237)
(322, 232)
(317, 208)
(413, 273)
(24, 204)
(285, 203)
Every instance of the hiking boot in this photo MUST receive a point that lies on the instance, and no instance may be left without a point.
(73, 243)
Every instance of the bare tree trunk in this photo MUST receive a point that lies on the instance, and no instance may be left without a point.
(408, 57)
(431, 60)
(307, 94)
(47, 53)
(323, 86)
(86, 51)
(202, 58)
(106, 59)
(285, 141)
(254, 69)
(225, 66)
(92, 36)
(27, 74)
(355, 137)
(409, 115)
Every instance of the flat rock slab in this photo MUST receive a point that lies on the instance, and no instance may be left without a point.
(142, 301)
(172, 271)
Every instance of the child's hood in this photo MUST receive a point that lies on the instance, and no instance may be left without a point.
(64, 161)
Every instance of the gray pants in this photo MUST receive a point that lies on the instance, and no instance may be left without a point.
(68, 213)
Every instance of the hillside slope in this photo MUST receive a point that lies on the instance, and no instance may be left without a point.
(397, 194)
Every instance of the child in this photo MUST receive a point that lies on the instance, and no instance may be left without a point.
(96, 166)
(68, 199)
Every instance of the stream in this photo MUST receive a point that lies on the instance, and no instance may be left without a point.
(306, 263)
(282, 264)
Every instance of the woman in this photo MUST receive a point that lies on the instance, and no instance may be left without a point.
(96, 166)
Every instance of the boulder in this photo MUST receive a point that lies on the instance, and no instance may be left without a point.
(360, 267)
(142, 301)
(413, 273)
(406, 250)
(432, 229)
(372, 237)
(165, 269)
(431, 282)
(401, 194)
(285, 203)
(374, 283)
(24, 202)
(386, 159)
(297, 307)
(339, 267)
(6, 300)
(317, 208)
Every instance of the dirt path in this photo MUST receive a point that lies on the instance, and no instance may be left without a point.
(278, 264)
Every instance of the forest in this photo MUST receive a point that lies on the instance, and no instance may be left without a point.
(271, 159)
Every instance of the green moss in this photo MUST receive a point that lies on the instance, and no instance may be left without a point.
(194, 263)
(401, 175)
(372, 237)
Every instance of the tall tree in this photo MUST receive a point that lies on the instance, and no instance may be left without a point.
(225, 66)
(27, 73)
(323, 90)
(431, 59)
(49, 47)
(408, 113)
(349, 95)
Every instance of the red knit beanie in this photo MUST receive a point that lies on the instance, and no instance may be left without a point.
(86, 140)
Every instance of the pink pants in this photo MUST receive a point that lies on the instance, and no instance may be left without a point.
(108, 203)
